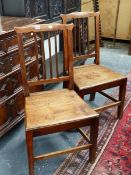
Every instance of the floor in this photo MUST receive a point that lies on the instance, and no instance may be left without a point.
(13, 156)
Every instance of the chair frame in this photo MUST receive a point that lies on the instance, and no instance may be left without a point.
(68, 62)
(92, 90)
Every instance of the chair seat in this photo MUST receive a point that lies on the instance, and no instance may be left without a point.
(49, 108)
(88, 76)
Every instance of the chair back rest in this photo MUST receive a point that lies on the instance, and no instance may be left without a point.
(40, 57)
(84, 24)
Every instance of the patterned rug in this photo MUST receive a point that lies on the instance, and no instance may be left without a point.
(115, 159)
(77, 163)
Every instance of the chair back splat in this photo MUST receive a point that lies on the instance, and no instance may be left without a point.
(81, 38)
(45, 42)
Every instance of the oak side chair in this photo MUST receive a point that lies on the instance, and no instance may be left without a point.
(52, 111)
(92, 78)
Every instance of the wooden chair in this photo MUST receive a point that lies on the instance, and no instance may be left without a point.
(58, 110)
(92, 78)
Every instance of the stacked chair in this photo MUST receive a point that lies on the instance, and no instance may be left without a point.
(52, 111)
(92, 78)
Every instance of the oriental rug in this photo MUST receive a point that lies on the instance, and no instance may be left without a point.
(116, 158)
(77, 163)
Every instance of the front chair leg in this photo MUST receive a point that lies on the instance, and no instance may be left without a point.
(93, 139)
(29, 141)
(92, 96)
(122, 93)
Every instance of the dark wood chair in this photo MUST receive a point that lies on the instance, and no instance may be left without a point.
(92, 78)
(58, 110)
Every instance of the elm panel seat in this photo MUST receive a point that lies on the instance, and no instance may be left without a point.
(57, 110)
(92, 78)
(46, 109)
(94, 75)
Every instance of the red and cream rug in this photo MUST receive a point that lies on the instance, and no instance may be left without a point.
(116, 158)
(114, 146)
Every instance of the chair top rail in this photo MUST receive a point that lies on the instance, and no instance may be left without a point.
(43, 27)
(77, 15)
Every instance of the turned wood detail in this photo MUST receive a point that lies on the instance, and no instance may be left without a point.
(49, 10)
(96, 9)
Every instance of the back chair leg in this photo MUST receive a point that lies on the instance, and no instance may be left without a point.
(29, 141)
(93, 139)
(122, 93)
(81, 94)
(65, 84)
(92, 96)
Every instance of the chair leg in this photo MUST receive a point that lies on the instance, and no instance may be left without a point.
(92, 97)
(81, 94)
(65, 84)
(93, 139)
(122, 93)
(29, 141)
